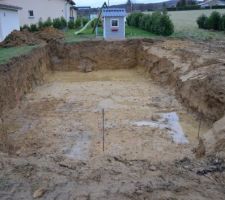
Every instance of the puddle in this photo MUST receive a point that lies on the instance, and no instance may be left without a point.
(168, 121)
(147, 123)
(80, 150)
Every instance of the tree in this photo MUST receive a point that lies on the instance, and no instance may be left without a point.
(129, 6)
(181, 3)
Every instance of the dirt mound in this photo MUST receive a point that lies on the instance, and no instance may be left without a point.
(19, 38)
(49, 34)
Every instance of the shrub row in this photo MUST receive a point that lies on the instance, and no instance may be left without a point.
(157, 22)
(59, 23)
(215, 21)
(187, 7)
(80, 22)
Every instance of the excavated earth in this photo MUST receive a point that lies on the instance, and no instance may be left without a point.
(164, 123)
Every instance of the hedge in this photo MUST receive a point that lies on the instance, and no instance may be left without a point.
(59, 23)
(202, 21)
(71, 24)
(157, 22)
(215, 21)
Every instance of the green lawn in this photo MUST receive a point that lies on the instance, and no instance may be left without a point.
(7, 53)
(131, 32)
(86, 35)
(186, 26)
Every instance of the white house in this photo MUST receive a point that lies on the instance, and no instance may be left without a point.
(9, 20)
(210, 3)
(34, 10)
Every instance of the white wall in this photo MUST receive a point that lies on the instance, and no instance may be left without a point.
(9, 21)
(42, 9)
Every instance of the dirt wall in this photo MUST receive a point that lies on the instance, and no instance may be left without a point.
(94, 55)
(21, 75)
(197, 78)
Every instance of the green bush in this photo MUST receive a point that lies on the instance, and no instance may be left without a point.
(222, 23)
(202, 21)
(71, 24)
(57, 23)
(148, 23)
(134, 19)
(40, 24)
(143, 22)
(214, 21)
(78, 23)
(166, 25)
(33, 28)
(48, 23)
(84, 21)
(63, 23)
(24, 27)
(155, 26)
(129, 20)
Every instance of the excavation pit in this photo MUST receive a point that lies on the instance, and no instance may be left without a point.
(69, 114)
(53, 118)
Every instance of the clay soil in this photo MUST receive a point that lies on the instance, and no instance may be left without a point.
(55, 140)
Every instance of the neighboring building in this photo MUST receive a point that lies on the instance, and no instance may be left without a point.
(84, 11)
(33, 10)
(93, 16)
(114, 23)
(9, 20)
(210, 3)
(87, 12)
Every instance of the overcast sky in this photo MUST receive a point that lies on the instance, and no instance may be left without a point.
(98, 3)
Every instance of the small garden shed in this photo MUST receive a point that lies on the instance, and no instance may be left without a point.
(114, 23)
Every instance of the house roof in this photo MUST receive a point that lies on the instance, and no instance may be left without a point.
(71, 2)
(114, 12)
(212, 3)
(9, 7)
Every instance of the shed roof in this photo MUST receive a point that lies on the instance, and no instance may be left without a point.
(9, 7)
(114, 12)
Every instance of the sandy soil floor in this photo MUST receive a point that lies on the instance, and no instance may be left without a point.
(56, 149)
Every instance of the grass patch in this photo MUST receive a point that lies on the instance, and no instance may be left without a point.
(8, 53)
(199, 34)
(86, 35)
(131, 32)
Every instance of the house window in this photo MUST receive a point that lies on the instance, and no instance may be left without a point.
(114, 23)
(31, 13)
